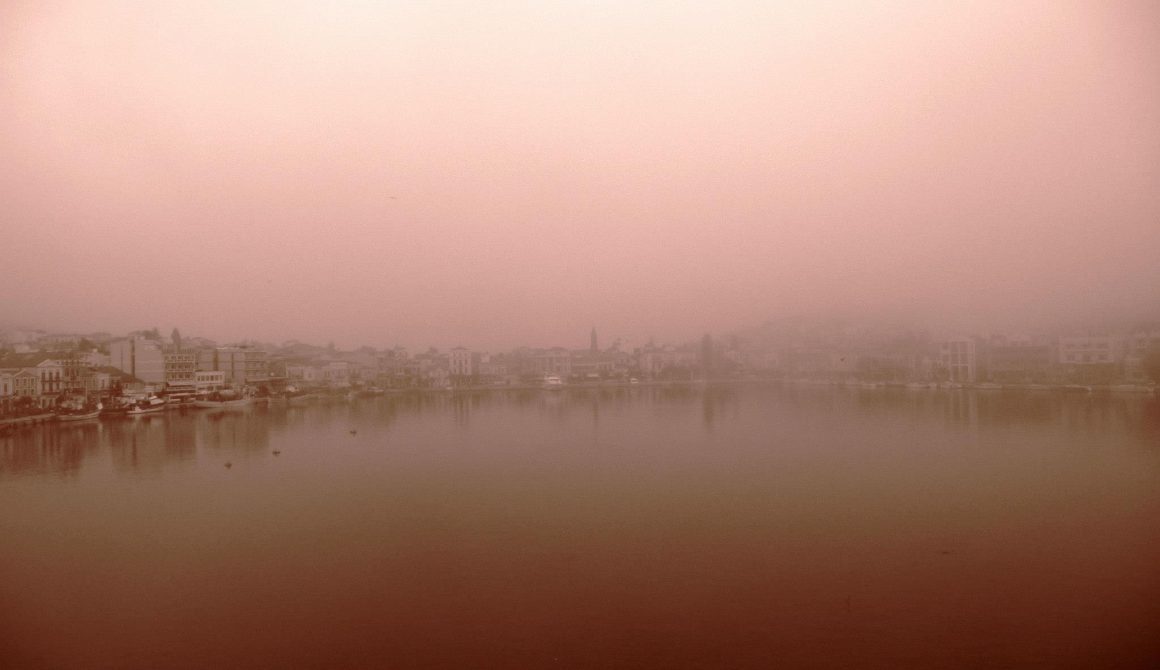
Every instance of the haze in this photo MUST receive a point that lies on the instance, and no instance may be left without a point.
(502, 174)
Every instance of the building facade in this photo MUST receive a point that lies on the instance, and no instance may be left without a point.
(460, 363)
(138, 357)
(208, 381)
(180, 367)
(959, 360)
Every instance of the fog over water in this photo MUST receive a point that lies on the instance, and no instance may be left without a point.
(498, 174)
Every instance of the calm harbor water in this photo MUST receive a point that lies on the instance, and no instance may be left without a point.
(738, 526)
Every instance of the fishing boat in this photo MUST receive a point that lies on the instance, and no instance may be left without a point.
(223, 400)
(297, 396)
(236, 403)
(114, 411)
(149, 405)
(83, 414)
(553, 383)
(179, 401)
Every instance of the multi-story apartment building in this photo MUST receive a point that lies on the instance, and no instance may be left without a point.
(460, 364)
(26, 384)
(257, 366)
(1089, 350)
(140, 357)
(1019, 362)
(99, 382)
(492, 369)
(52, 381)
(338, 374)
(242, 365)
(307, 375)
(958, 358)
(208, 381)
(180, 367)
(556, 361)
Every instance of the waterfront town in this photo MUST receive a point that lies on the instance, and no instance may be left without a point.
(43, 372)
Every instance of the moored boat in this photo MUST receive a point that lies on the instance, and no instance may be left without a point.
(553, 383)
(79, 415)
(148, 405)
(223, 400)
(223, 404)
(114, 411)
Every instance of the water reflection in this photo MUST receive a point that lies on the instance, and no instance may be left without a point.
(694, 525)
(718, 402)
(148, 444)
(234, 431)
(56, 451)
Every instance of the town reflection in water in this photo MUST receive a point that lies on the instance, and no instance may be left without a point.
(153, 443)
(640, 526)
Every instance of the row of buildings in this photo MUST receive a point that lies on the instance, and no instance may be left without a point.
(836, 353)
(44, 369)
(41, 379)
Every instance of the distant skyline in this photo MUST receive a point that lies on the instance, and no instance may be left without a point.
(1074, 326)
(508, 174)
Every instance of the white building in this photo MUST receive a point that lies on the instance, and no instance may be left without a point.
(242, 365)
(139, 357)
(460, 363)
(1089, 350)
(958, 359)
(208, 381)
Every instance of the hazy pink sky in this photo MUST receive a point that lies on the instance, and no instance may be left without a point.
(500, 173)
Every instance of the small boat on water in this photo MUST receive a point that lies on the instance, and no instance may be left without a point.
(223, 400)
(553, 383)
(79, 415)
(236, 403)
(179, 401)
(114, 411)
(149, 405)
